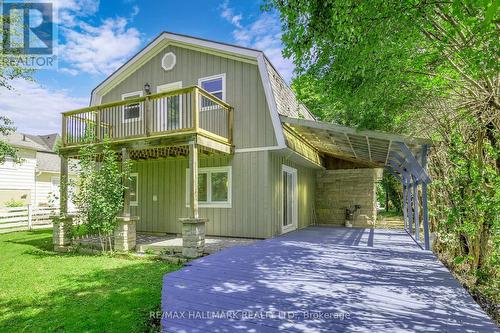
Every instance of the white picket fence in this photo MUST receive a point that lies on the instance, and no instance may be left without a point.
(26, 218)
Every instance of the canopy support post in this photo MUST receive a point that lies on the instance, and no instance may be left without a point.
(425, 213)
(405, 210)
(415, 210)
(409, 205)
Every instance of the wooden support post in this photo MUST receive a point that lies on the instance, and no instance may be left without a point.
(415, 210)
(63, 187)
(147, 116)
(98, 133)
(230, 116)
(193, 177)
(425, 215)
(126, 183)
(196, 109)
(64, 131)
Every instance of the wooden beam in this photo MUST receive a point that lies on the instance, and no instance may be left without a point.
(419, 172)
(196, 108)
(388, 168)
(388, 151)
(126, 183)
(209, 143)
(350, 144)
(353, 131)
(193, 177)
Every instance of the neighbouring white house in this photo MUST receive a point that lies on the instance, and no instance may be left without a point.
(35, 180)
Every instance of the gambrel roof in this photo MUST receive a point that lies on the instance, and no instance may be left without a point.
(374, 148)
(279, 96)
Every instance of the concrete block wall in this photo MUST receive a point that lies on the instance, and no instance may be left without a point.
(338, 189)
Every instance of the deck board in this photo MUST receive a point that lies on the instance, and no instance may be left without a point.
(379, 280)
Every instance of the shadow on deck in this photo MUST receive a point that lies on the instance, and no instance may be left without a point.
(320, 280)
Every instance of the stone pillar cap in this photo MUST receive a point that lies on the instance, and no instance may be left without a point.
(128, 218)
(193, 220)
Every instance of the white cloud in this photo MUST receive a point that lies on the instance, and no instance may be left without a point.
(263, 34)
(67, 11)
(90, 48)
(36, 109)
(100, 49)
(228, 14)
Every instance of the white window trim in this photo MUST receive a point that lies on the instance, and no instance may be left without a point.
(136, 202)
(169, 87)
(213, 77)
(295, 211)
(212, 204)
(131, 94)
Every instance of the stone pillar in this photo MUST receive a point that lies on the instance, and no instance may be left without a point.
(125, 235)
(193, 236)
(61, 232)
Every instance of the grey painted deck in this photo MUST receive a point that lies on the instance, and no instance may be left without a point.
(378, 280)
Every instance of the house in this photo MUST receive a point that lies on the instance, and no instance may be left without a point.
(35, 180)
(215, 132)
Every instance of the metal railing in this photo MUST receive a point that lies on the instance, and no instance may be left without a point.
(179, 111)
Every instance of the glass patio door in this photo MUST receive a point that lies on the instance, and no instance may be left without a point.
(169, 110)
(289, 199)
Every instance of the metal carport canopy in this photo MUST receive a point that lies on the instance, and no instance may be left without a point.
(372, 147)
(404, 157)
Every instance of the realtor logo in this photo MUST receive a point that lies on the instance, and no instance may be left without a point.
(28, 34)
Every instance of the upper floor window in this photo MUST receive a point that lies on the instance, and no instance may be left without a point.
(216, 85)
(132, 111)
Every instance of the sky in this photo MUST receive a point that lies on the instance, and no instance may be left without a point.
(96, 37)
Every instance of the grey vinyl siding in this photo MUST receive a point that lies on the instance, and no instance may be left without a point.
(256, 195)
(244, 89)
(256, 176)
(249, 215)
(306, 179)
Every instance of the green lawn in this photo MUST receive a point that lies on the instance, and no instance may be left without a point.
(41, 291)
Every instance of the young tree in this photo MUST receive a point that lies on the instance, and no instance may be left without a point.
(99, 194)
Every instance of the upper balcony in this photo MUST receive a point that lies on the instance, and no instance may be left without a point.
(174, 117)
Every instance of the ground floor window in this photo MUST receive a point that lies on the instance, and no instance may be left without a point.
(134, 189)
(214, 187)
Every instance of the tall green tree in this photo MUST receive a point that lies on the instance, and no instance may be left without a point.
(427, 68)
(373, 63)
